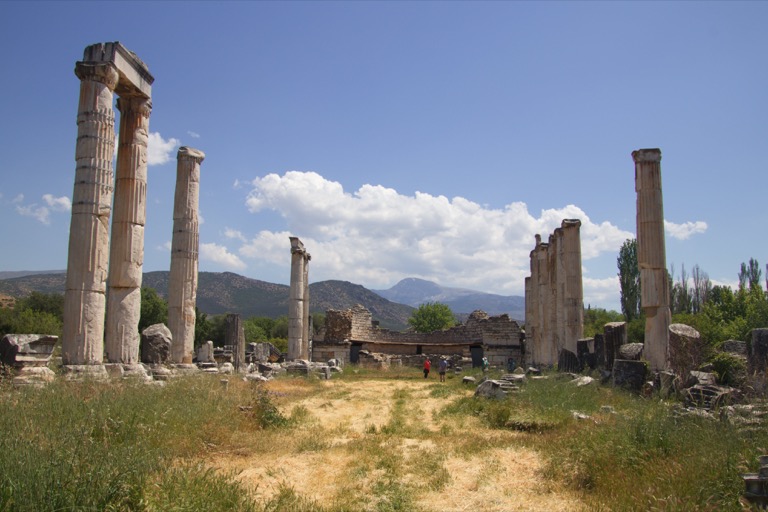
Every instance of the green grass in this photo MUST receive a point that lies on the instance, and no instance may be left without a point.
(131, 447)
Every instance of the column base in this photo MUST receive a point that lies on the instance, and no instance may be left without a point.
(85, 372)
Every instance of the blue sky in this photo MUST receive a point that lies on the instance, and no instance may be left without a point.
(406, 139)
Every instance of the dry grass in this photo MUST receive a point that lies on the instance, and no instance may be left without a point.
(385, 445)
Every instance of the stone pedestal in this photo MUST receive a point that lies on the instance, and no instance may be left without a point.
(182, 283)
(298, 302)
(651, 256)
(615, 335)
(686, 349)
(28, 355)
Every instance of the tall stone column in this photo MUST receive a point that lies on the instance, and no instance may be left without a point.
(306, 337)
(182, 283)
(528, 359)
(573, 290)
(298, 304)
(84, 298)
(127, 246)
(651, 256)
(234, 336)
(543, 314)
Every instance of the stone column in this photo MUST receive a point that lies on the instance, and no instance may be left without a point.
(84, 298)
(182, 283)
(297, 343)
(573, 290)
(551, 332)
(306, 346)
(651, 256)
(543, 314)
(126, 258)
(234, 335)
(529, 317)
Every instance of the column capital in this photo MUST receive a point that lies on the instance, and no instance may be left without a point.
(185, 152)
(652, 155)
(104, 73)
(570, 223)
(142, 106)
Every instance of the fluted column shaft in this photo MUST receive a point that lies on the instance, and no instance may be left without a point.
(573, 290)
(182, 283)
(126, 259)
(651, 256)
(298, 302)
(88, 257)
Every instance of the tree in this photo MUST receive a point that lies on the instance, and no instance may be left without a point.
(629, 279)
(154, 309)
(750, 275)
(702, 287)
(432, 316)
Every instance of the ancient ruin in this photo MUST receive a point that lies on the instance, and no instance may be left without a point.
(182, 283)
(651, 256)
(351, 332)
(298, 302)
(106, 68)
(554, 296)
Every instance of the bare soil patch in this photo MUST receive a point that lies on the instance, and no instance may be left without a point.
(363, 436)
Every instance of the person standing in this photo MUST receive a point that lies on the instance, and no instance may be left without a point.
(427, 367)
(442, 367)
(486, 365)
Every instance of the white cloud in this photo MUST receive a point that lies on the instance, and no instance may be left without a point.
(165, 246)
(376, 236)
(58, 204)
(159, 150)
(42, 213)
(685, 230)
(221, 255)
(235, 234)
(194, 135)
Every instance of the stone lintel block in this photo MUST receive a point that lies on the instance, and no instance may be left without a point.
(135, 79)
(22, 350)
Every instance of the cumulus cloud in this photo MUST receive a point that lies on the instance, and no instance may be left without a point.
(221, 255)
(376, 236)
(58, 204)
(159, 150)
(233, 233)
(685, 230)
(42, 213)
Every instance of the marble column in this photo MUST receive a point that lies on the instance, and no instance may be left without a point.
(651, 257)
(543, 314)
(529, 320)
(126, 258)
(298, 305)
(182, 283)
(85, 293)
(573, 289)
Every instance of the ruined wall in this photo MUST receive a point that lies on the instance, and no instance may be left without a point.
(498, 335)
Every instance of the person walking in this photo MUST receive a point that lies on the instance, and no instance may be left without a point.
(442, 367)
(427, 367)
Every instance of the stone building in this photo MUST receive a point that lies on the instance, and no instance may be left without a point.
(349, 331)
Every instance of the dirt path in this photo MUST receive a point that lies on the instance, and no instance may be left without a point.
(448, 462)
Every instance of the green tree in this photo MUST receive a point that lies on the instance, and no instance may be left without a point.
(629, 279)
(280, 327)
(154, 309)
(52, 303)
(432, 316)
(596, 318)
(254, 333)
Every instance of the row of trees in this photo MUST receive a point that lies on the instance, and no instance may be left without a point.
(718, 312)
(42, 313)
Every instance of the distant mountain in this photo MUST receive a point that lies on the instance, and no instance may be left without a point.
(226, 292)
(6, 274)
(413, 291)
